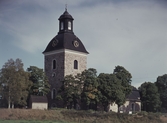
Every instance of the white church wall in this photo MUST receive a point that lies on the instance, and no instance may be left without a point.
(113, 107)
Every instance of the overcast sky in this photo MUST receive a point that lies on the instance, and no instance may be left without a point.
(129, 33)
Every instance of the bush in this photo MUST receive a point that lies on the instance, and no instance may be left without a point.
(143, 113)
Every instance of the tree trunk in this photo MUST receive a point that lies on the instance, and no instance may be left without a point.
(118, 109)
(96, 106)
(12, 105)
(106, 107)
(9, 102)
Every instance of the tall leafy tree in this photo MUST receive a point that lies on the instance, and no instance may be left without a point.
(109, 87)
(125, 78)
(161, 83)
(40, 85)
(150, 97)
(14, 83)
(70, 91)
(90, 94)
(80, 87)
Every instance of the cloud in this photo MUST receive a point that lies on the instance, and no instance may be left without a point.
(128, 33)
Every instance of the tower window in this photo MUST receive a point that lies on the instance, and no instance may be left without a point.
(62, 26)
(75, 64)
(53, 93)
(54, 64)
(69, 25)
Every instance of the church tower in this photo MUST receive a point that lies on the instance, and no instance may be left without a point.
(64, 55)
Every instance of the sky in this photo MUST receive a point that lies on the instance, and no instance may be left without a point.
(129, 33)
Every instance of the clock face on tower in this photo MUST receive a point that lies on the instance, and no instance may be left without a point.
(55, 42)
(76, 44)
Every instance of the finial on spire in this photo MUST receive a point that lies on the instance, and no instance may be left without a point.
(66, 6)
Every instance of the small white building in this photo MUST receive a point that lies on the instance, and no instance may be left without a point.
(132, 104)
(38, 102)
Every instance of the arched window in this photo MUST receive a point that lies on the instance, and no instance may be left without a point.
(75, 64)
(133, 107)
(69, 25)
(61, 26)
(54, 64)
(53, 93)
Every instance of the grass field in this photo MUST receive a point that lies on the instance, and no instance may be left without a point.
(74, 116)
(30, 121)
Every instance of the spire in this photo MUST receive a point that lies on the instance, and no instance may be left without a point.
(65, 22)
(66, 7)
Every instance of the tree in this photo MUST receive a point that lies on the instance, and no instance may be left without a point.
(125, 77)
(91, 94)
(109, 86)
(14, 83)
(40, 85)
(161, 83)
(82, 87)
(70, 91)
(150, 97)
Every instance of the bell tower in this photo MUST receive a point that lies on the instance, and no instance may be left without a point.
(65, 54)
(66, 23)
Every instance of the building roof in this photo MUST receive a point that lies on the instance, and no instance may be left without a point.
(39, 99)
(65, 41)
(134, 95)
(66, 15)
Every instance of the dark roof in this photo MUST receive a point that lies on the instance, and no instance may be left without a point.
(42, 99)
(65, 41)
(65, 38)
(66, 15)
(134, 95)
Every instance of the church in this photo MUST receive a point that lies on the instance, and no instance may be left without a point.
(64, 55)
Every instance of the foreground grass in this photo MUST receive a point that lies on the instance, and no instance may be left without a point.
(29, 121)
(73, 116)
